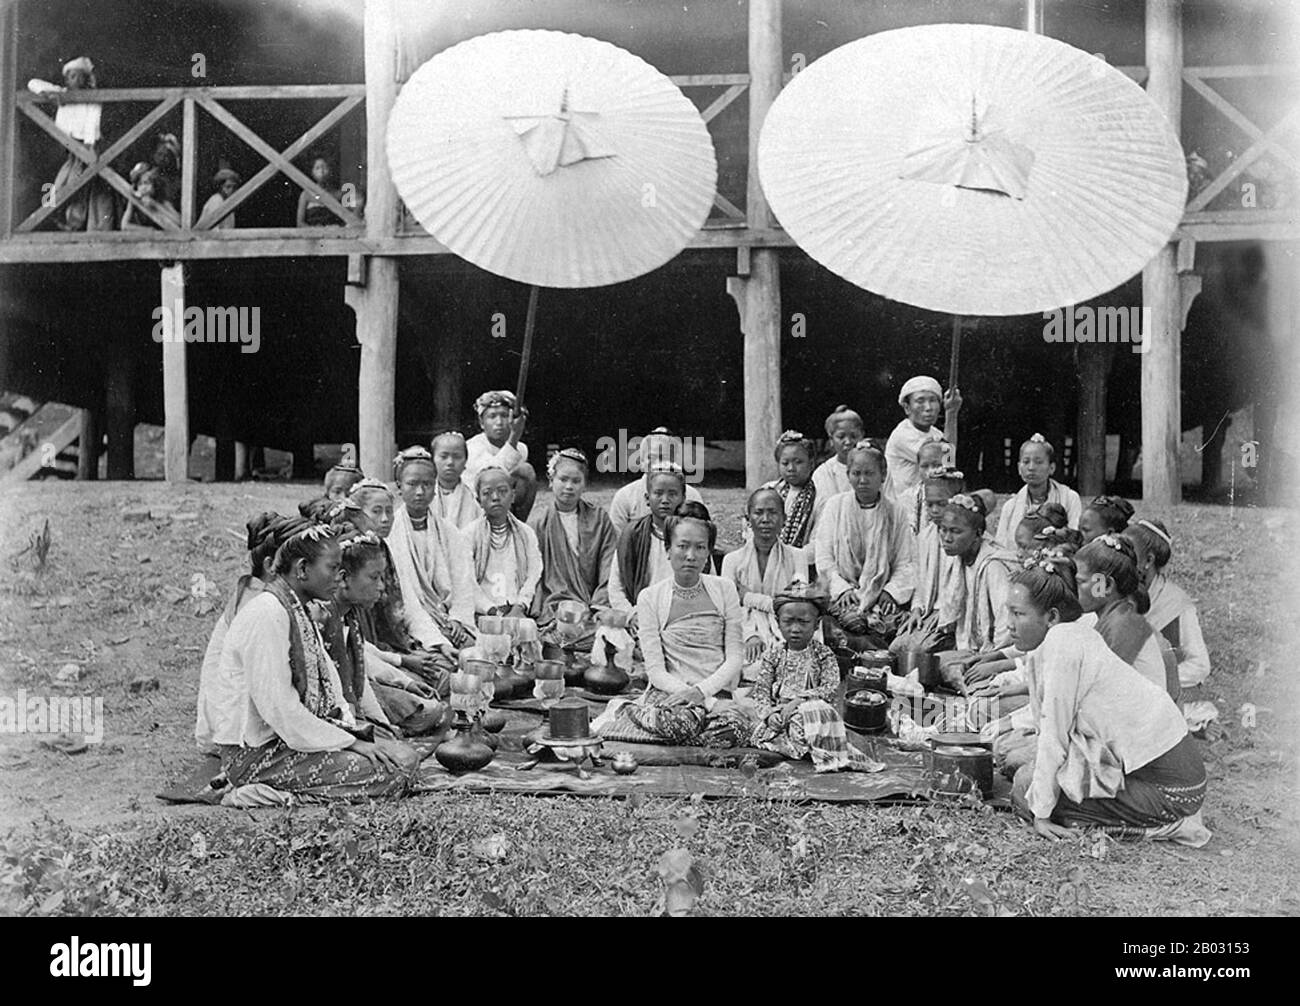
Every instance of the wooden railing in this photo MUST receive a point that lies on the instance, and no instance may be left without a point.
(194, 235)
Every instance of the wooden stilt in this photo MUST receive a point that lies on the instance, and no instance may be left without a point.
(119, 397)
(241, 461)
(88, 447)
(223, 460)
(376, 302)
(758, 292)
(1161, 293)
(176, 419)
(1092, 362)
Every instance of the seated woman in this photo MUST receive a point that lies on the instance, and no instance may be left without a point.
(507, 561)
(1037, 466)
(1172, 612)
(759, 569)
(795, 454)
(1112, 749)
(1105, 515)
(433, 563)
(578, 545)
(866, 552)
(298, 733)
(220, 710)
(640, 558)
(453, 500)
(502, 423)
(689, 630)
(973, 594)
(796, 686)
(384, 625)
(931, 560)
(408, 704)
(844, 429)
(630, 504)
(1114, 602)
(1026, 538)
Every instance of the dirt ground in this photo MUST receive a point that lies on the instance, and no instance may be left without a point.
(137, 572)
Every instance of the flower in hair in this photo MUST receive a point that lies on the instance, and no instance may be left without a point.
(791, 437)
(565, 454)
(1111, 541)
(948, 473)
(357, 540)
(966, 503)
(1038, 438)
(315, 532)
(366, 483)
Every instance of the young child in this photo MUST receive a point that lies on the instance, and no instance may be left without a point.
(921, 398)
(1112, 750)
(629, 503)
(507, 560)
(146, 183)
(502, 423)
(432, 559)
(578, 545)
(1173, 612)
(937, 490)
(312, 212)
(867, 553)
(453, 500)
(1105, 515)
(340, 479)
(226, 182)
(1026, 538)
(798, 677)
(759, 569)
(931, 458)
(794, 455)
(641, 557)
(1114, 601)
(1037, 465)
(843, 430)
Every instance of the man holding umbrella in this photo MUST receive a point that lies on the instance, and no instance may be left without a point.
(502, 423)
(921, 398)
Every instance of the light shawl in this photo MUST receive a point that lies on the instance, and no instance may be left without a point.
(566, 576)
(1173, 615)
(458, 507)
(429, 575)
(480, 542)
(931, 564)
(973, 594)
(785, 564)
(1014, 509)
(1168, 604)
(870, 554)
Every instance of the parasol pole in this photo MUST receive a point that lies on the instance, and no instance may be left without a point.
(530, 322)
(950, 419)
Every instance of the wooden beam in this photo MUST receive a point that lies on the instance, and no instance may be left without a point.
(1244, 160)
(722, 101)
(119, 402)
(8, 111)
(88, 446)
(758, 295)
(176, 420)
(66, 433)
(255, 92)
(1161, 294)
(1237, 118)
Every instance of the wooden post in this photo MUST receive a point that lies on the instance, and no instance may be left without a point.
(1093, 363)
(223, 460)
(189, 162)
(1161, 291)
(88, 447)
(757, 291)
(375, 300)
(176, 417)
(119, 397)
(8, 111)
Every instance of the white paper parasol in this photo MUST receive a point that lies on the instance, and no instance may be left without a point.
(972, 169)
(551, 158)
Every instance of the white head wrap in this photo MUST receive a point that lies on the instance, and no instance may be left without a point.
(922, 383)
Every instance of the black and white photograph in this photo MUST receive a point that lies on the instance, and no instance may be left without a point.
(651, 458)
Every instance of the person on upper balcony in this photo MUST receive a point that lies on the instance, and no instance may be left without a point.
(145, 180)
(226, 181)
(312, 210)
(92, 208)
